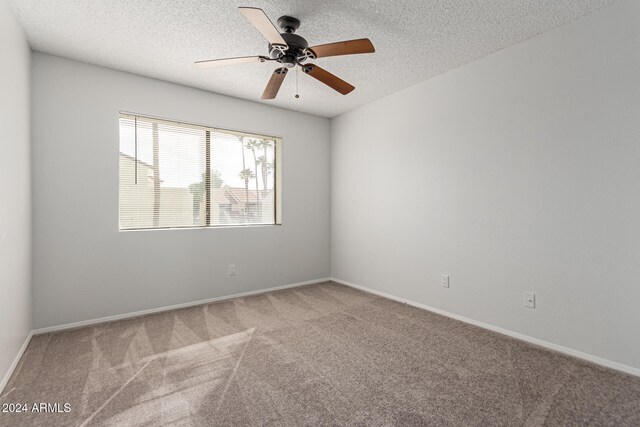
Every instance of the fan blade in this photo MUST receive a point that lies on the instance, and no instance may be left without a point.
(211, 63)
(327, 78)
(274, 84)
(259, 19)
(348, 47)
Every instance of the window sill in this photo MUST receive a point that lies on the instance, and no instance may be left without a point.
(198, 228)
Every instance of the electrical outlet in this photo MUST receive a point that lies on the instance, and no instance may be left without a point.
(530, 300)
(444, 280)
(232, 270)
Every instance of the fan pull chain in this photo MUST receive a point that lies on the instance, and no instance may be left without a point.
(297, 95)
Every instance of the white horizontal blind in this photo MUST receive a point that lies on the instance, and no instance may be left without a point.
(175, 175)
(242, 179)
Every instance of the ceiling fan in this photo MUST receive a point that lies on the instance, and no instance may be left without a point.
(289, 50)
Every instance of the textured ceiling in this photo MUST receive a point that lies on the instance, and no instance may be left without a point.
(414, 39)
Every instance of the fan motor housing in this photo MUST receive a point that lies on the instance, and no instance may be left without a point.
(296, 49)
(295, 41)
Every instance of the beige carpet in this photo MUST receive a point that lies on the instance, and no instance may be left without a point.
(317, 355)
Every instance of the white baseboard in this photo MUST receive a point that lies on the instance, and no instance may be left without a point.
(79, 324)
(561, 349)
(15, 362)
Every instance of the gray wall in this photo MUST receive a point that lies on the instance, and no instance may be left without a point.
(518, 172)
(15, 191)
(85, 268)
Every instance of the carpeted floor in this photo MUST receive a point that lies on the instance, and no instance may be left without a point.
(316, 355)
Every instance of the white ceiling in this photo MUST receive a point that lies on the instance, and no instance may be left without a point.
(414, 40)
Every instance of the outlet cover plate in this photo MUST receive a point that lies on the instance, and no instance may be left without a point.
(530, 300)
(444, 280)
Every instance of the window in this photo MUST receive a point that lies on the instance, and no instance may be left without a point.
(179, 175)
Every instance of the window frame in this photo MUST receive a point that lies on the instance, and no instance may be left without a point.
(277, 171)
